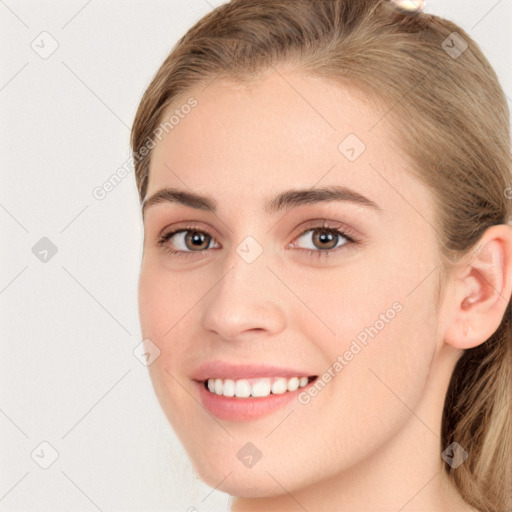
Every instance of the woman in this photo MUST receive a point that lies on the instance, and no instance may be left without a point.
(327, 266)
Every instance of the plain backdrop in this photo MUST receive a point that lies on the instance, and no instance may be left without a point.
(73, 396)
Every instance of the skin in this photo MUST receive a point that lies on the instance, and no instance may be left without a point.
(370, 440)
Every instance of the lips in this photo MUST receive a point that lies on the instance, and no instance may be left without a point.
(248, 392)
(224, 370)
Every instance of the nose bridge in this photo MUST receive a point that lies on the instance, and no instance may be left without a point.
(246, 295)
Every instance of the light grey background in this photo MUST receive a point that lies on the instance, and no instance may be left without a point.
(68, 375)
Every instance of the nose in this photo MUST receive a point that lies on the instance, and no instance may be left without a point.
(246, 300)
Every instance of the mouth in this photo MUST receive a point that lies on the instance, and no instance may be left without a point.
(248, 392)
(256, 387)
(250, 398)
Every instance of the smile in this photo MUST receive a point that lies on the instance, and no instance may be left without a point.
(248, 392)
(255, 387)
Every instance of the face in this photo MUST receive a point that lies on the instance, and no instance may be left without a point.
(304, 262)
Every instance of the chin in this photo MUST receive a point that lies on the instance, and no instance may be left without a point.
(221, 469)
(241, 482)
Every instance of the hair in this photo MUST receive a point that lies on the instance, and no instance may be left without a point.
(449, 115)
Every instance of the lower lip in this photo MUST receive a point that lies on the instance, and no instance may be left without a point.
(245, 409)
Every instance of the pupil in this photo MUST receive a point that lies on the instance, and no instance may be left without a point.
(326, 237)
(198, 239)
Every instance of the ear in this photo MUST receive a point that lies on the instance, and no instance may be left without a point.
(482, 288)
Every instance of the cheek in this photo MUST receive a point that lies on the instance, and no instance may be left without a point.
(163, 300)
(159, 316)
(152, 298)
(389, 376)
(384, 339)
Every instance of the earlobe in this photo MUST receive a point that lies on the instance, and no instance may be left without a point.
(482, 289)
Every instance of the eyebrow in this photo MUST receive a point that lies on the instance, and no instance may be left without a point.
(287, 199)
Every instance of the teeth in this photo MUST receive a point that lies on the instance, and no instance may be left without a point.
(261, 388)
(228, 388)
(218, 386)
(293, 384)
(244, 388)
(280, 386)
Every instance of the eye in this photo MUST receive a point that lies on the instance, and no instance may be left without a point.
(322, 241)
(186, 240)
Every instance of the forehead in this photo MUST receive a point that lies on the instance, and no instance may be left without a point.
(282, 116)
(284, 129)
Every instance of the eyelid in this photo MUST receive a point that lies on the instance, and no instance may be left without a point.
(345, 229)
(185, 226)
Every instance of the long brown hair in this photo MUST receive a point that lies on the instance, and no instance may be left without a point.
(448, 114)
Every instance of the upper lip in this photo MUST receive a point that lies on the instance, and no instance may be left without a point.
(225, 370)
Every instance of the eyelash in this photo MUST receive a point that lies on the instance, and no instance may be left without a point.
(347, 234)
